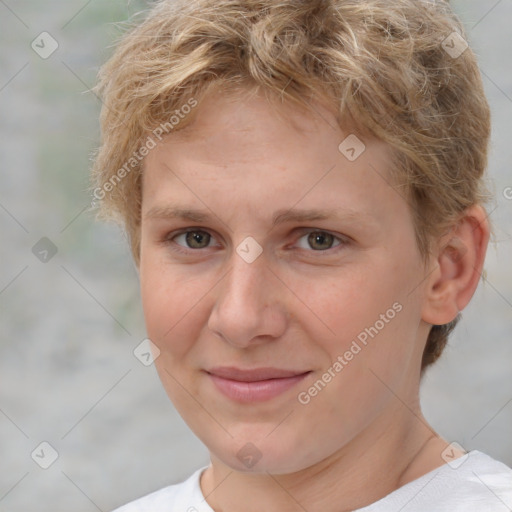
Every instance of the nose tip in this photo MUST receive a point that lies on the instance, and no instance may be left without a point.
(243, 332)
(247, 307)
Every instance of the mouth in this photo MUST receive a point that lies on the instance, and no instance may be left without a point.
(254, 385)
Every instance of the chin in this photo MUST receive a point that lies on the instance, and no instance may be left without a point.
(276, 456)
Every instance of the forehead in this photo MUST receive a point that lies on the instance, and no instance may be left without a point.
(251, 151)
(240, 111)
(240, 123)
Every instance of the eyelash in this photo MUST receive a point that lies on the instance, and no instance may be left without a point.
(340, 241)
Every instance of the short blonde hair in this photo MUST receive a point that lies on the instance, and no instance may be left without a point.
(397, 70)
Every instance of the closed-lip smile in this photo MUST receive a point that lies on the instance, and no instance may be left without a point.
(254, 384)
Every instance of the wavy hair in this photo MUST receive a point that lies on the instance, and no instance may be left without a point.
(385, 67)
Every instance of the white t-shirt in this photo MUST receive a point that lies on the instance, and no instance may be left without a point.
(472, 483)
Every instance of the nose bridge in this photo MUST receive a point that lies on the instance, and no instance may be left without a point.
(245, 284)
(246, 303)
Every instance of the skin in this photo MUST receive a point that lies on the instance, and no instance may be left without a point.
(294, 307)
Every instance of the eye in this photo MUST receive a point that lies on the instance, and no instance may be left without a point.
(193, 239)
(318, 241)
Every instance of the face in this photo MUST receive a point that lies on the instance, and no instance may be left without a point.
(279, 276)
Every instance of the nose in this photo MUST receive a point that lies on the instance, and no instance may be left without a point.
(248, 308)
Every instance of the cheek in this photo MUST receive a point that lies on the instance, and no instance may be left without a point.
(172, 303)
(342, 304)
(366, 306)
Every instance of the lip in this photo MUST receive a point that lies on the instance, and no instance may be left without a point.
(254, 385)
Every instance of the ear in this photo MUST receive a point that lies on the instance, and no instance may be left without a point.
(457, 266)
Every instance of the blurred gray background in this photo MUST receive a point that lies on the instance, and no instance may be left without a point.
(69, 321)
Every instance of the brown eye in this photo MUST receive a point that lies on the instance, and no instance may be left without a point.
(193, 239)
(320, 240)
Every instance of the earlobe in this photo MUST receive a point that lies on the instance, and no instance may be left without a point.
(457, 266)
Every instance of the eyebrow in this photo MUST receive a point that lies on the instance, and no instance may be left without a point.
(279, 217)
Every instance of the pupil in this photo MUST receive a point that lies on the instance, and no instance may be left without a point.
(197, 239)
(319, 241)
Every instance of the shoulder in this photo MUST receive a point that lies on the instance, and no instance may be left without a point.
(479, 482)
(475, 482)
(185, 496)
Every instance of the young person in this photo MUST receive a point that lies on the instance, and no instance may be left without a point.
(302, 185)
